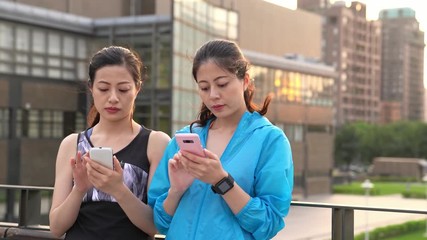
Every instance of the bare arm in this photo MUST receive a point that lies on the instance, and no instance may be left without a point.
(66, 199)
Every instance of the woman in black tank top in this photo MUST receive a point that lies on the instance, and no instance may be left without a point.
(91, 201)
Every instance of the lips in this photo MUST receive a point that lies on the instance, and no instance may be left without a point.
(217, 107)
(112, 109)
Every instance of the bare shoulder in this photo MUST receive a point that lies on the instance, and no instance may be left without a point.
(70, 140)
(159, 137)
(157, 143)
(68, 146)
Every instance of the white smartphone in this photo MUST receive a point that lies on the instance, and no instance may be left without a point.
(190, 142)
(102, 155)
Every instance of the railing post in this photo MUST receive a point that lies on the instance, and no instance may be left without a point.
(342, 224)
(30, 206)
(10, 200)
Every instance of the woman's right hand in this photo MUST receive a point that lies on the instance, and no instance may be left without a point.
(81, 181)
(180, 179)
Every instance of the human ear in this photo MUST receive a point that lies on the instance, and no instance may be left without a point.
(246, 81)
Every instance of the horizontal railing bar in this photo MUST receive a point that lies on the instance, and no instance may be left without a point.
(356, 207)
(23, 187)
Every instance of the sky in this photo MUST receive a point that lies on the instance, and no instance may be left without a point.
(373, 7)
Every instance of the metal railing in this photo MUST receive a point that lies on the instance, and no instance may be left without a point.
(30, 199)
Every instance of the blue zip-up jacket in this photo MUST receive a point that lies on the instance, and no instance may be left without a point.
(259, 158)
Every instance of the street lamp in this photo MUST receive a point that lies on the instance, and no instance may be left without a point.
(425, 182)
(367, 185)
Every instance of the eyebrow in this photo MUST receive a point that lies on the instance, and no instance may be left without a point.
(216, 79)
(123, 82)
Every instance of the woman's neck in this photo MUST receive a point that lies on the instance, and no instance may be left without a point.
(116, 128)
(227, 124)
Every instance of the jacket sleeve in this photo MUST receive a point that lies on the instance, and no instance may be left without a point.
(159, 188)
(263, 214)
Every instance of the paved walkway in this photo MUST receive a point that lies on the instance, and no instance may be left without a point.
(307, 223)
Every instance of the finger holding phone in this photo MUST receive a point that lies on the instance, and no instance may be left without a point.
(180, 179)
(80, 178)
(104, 171)
(200, 163)
(207, 169)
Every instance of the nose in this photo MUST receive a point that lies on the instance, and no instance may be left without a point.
(214, 93)
(113, 97)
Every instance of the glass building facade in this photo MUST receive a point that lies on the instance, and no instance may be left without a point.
(151, 37)
(194, 23)
(294, 88)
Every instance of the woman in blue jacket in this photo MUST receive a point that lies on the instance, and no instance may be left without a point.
(242, 187)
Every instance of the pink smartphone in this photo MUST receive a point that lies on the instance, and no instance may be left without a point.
(190, 142)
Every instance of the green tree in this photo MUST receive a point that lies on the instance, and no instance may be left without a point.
(362, 142)
(346, 146)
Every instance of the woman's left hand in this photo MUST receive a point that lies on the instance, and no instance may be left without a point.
(105, 179)
(207, 169)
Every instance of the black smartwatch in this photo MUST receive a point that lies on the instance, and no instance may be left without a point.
(224, 185)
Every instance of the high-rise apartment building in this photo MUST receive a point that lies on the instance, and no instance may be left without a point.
(352, 44)
(402, 66)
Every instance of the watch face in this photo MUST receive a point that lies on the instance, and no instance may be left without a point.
(224, 186)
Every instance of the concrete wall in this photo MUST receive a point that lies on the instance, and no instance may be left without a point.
(49, 96)
(272, 29)
(38, 159)
(91, 8)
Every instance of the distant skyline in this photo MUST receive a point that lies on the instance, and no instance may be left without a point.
(373, 8)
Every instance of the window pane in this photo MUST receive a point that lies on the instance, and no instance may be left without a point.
(5, 56)
(54, 44)
(22, 39)
(38, 60)
(58, 120)
(69, 48)
(33, 127)
(54, 73)
(39, 72)
(5, 68)
(6, 36)
(22, 58)
(19, 123)
(39, 41)
(81, 49)
(54, 62)
(81, 70)
(68, 74)
(21, 70)
(4, 123)
(67, 64)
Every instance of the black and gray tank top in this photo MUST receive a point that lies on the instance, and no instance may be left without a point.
(100, 216)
